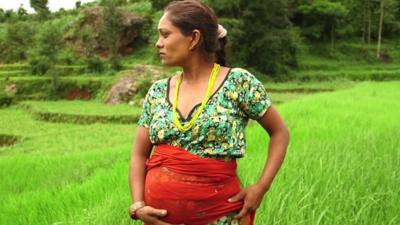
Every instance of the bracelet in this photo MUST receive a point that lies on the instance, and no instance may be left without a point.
(135, 207)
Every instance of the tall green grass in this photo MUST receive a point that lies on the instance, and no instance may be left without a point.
(342, 166)
(343, 162)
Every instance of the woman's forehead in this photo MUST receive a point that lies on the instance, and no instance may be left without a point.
(165, 23)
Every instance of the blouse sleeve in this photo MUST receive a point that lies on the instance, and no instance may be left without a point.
(254, 100)
(145, 118)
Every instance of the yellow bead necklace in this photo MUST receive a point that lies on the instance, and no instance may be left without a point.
(190, 124)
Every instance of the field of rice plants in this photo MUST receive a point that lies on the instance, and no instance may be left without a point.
(342, 165)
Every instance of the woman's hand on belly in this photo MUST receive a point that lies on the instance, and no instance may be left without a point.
(151, 216)
(251, 196)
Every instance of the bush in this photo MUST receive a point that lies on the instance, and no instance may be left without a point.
(115, 62)
(17, 40)
(5, 100)
(67, 57)
(95, 64)
(39, 65)
(159, 4)
(235, 34)
(143, 86)
(45, 54)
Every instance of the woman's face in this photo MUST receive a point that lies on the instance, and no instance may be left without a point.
(173, 46)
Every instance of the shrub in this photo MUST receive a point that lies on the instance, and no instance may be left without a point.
(115, 62)
(39, 65)
(67, 57)
(159, 4)
(95, 64)
(5, 100)
(18, 38)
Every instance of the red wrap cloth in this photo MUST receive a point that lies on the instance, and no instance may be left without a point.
(193, 190)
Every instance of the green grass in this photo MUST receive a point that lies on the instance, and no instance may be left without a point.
(12, 67)
(357, 75)
(351, 61)
(342, 163)
(81, 107)
(341, 166)
(281, 92)
(81, 112)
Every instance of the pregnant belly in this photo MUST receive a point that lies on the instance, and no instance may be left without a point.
(191, 200)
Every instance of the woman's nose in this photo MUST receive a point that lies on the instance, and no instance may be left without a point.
(158, 43)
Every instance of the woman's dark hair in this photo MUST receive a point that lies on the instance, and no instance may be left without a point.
(188, 15)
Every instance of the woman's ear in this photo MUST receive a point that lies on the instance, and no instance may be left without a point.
(196, 36)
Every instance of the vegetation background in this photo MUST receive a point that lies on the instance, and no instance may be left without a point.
(72, 83)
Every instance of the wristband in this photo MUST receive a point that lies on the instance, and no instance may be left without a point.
(135, 207)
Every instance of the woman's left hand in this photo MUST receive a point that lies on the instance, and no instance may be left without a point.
(252, 197)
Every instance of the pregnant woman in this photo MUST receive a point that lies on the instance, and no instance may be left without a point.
(192, 129)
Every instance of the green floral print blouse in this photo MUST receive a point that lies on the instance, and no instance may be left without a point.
(220, 129)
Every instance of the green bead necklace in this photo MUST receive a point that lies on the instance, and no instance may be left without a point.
(190, 124)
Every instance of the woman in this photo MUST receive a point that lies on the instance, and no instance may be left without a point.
(195, 121)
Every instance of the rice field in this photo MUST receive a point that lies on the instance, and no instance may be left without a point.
(342, 165)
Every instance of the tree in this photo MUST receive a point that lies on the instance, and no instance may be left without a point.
(45, 55)
(378, 51)
(8, 16)
(269, 42)
(159, 4)
(22, 13)
(2, 15)
(112, 28)
(78, 4)
(322, 16)
(41, 8)
(18, 38)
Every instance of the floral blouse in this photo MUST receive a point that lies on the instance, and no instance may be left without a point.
(219, 130)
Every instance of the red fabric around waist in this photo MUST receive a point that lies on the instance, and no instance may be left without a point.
(193, 190)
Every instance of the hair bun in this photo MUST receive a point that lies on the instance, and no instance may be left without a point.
(221, 31)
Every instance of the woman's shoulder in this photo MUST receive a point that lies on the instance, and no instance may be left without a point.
(241, 74)
(159, 84)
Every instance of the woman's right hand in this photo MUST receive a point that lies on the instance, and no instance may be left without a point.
(151, 216)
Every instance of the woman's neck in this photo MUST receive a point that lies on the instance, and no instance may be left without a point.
(197, 72)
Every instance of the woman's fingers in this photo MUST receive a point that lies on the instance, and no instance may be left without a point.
(245, 210)
(237, 197)
(156, 212)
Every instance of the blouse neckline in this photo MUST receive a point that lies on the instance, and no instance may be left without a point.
(198, 104)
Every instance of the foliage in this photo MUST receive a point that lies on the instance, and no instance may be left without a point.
(321, 17)
(67, 57)
(18, 39)
(143, 87)
(115, 63)
(45, 55)
(235, 57)
(95, 64)
(159, 4)
(142, 8)
(41, 8)
(39, 64)
(112, 25)
(270, 42)
(78, 4)
(5, 99)
(22, 13)
(7, 15)
(225, 8)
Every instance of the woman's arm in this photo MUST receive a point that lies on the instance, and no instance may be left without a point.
(137, 173)
(279, 139)
(137, 176)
